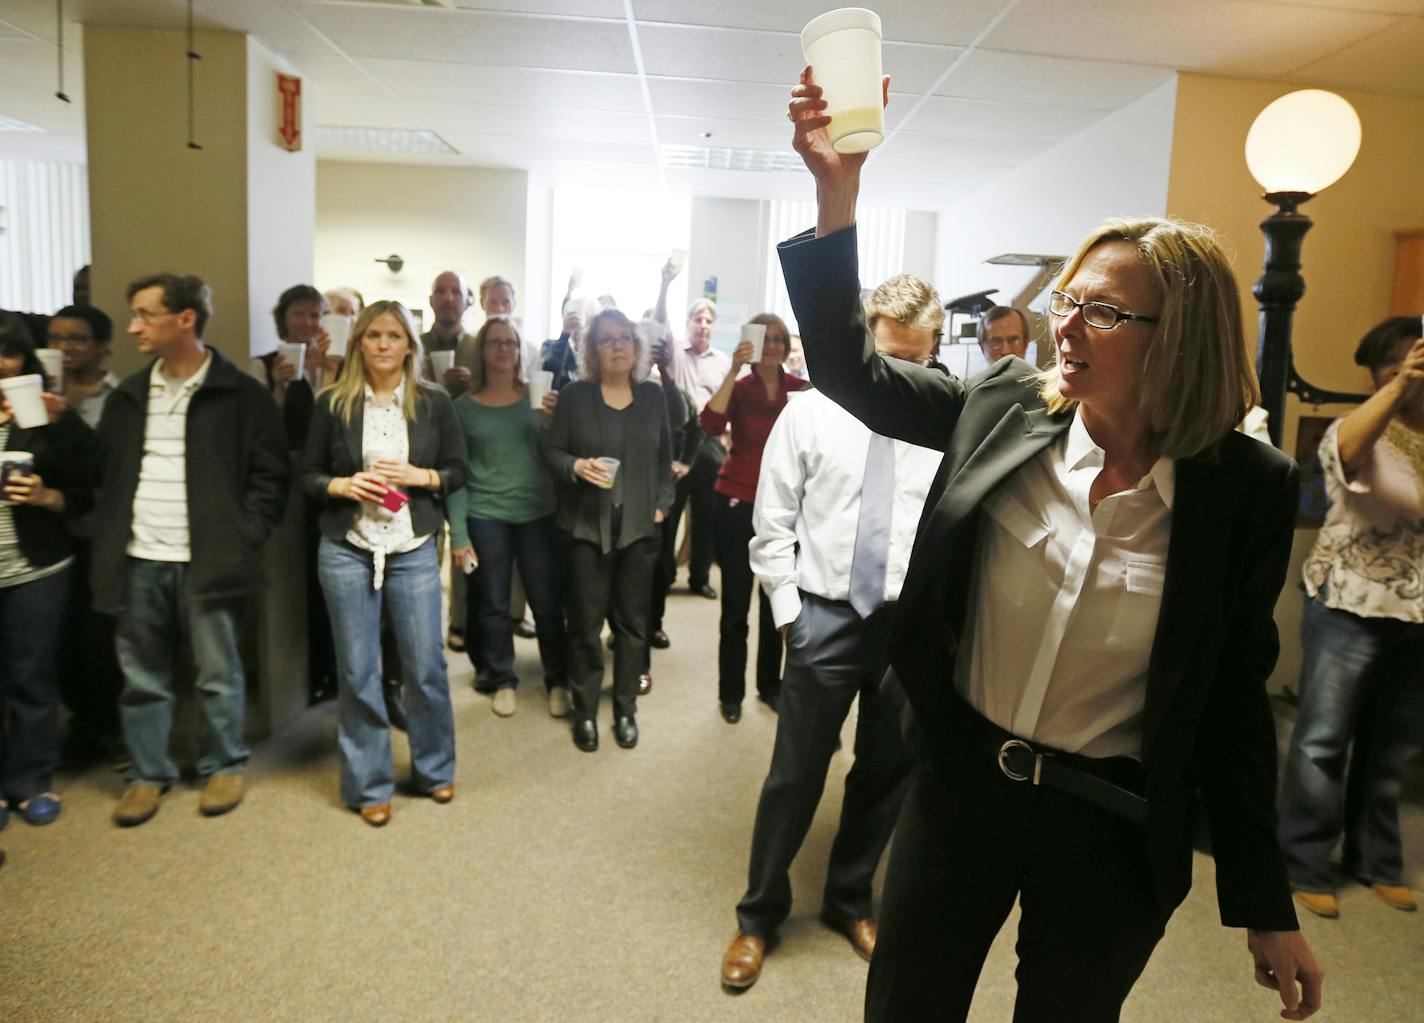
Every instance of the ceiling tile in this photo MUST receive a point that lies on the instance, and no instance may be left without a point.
(1020, 78)
(472, 37)
(518, 86)
(734, 134)
(912, 21)
(977, 119)
(938, 150)
(1223, 36)
(573, 126)
(1388, 62)
(336, 75)
(568, 8)
(734, 100)
(504, 150)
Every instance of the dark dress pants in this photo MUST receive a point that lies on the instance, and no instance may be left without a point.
(832, 656)
(615, 586)
(30, 618)
(489, 627)
(701, 495)
(969, 841)
(732, 531)
(89, 677)
(665, 571)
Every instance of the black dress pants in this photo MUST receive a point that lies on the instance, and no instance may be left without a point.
(698, 490)
(615, 586)
(731, 532)
(968, 843)
(89, 677)
(832, 656)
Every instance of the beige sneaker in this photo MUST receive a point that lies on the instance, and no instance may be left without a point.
(1395, 896)
(222, 793)
(1320, 903)
(138, 804)
(504, 702)
(559, 702)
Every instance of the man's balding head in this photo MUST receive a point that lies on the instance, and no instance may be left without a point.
(450, 296)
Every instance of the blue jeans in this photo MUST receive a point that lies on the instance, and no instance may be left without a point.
(30, 618)
(412, 590)
(498, 545)
(148, 636)
(1362, 680)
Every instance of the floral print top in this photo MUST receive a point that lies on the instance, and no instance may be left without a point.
(1369, 557)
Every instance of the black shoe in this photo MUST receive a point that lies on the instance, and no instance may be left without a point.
(395, 710)
(705, 590)
(524, 629)
(586, 735)
(731, 713)
(645, 684)
(772, 700)
(625, 732)
(659, 640)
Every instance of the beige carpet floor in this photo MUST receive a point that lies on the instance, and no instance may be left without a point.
(558, 886)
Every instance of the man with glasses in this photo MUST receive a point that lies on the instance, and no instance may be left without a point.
(1003, 331)
(196, 475)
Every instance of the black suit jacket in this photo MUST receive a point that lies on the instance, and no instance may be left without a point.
(1207, 725)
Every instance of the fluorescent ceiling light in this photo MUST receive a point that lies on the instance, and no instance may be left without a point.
(381, 140)
(10, 124)
(724, 158)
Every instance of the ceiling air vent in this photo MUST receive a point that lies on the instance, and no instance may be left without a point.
(381, 140)
(725, 158)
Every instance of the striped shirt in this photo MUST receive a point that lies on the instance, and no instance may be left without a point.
(160, 507)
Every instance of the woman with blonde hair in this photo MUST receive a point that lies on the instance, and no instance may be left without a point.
(383, 451)
(504, 515)
(1085, 628)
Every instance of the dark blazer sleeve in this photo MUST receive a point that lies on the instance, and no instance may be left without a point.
(1236, 746)
(76, 453)
(689, 438)
(890, 396)
(269, 467)
(667, 489)
(317, 470)
(676, 407)
(451, 460)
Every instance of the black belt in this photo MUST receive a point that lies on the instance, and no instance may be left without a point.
(1023, 761)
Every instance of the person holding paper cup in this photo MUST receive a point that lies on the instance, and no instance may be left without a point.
(749, 407)
(450, 299)
(1108, 509)
(504, 516)
(83, 335)
(609, 519)
(384, 450)
(299, 363)
(47, 473)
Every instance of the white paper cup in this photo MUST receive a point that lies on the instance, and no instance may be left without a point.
(440, 362)
(14, 463)
(294, 355)
(541, 381)
(26, 405)
(338, 328)
(756, 334)
(611, 465)
(678, 259)
(843, 49)
(52, 359)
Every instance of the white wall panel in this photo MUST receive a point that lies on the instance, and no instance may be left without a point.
(44, 233)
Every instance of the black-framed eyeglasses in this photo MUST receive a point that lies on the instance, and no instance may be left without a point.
(1095, 314)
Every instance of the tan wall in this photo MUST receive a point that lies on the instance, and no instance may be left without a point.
(467, 219)
(1348, 258)
(154, 204)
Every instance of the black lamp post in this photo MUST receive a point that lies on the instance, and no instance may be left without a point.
(1298, 146)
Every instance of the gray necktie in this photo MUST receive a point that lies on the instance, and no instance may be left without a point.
(872, 530)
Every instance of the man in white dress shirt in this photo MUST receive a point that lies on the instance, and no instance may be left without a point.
(836, 513)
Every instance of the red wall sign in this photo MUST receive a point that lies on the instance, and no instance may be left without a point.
(289, 112)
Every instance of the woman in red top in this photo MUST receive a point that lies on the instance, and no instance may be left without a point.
(750, 406)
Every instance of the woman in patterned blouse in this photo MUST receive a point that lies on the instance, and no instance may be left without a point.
(383, 451)
(1363, 636)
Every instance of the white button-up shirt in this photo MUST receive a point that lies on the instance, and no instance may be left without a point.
(808, 493)
(382, 532)
(1068, 598)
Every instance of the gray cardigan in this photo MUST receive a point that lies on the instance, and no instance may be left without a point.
(585, 511)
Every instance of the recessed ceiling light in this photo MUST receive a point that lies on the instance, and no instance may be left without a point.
(726, 158)
(10, 124)
(381, 140)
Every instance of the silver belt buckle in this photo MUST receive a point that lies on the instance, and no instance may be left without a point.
(1013, 775)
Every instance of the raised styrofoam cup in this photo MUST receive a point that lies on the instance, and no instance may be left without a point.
(338, 328)
(14, 463)
(52, 359)
(678, 259)
(756, 334)
(541, 382)
(440, 362)
(293, 354)
(26, 405)
(611, 466)
(843, 49)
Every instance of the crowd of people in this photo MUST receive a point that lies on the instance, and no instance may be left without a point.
(1051, 591)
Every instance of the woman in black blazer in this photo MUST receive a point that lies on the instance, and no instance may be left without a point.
(1085, 628)
(383, 450)
(610, 516)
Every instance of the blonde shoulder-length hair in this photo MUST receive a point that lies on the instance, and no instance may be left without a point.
(588, 350)
(1198, 381)
(348, 393)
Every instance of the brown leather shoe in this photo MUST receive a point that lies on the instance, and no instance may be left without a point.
(376, 816)
(1395, 896)
(741, 965)
(139, 803)
(222, 793)
(860, 933)
(443, 794)
(1320, 903)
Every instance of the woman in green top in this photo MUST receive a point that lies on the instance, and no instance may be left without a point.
(505, 514)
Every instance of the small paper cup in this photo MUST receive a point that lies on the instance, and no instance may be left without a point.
(440, 362)
(678, 259)
(541, 381)
(756, 334)
(611, 466)
(338, 328)
(293, 354)
(52, 359)
(843, 49)
(14, 463)
(26, 405)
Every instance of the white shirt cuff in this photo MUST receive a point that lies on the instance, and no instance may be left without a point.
(785, 605)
